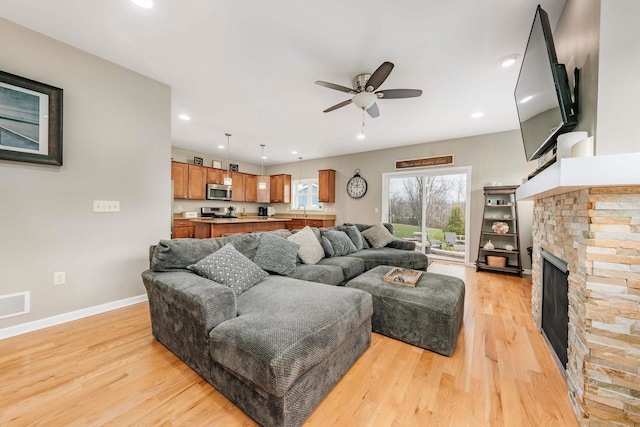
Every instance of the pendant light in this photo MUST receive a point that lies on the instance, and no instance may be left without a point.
(299, 173)
(262, 185)
(227, 179)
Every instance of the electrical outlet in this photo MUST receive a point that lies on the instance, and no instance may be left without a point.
(59, 278)
(106, 206)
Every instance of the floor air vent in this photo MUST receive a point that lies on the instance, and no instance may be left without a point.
(14, 304)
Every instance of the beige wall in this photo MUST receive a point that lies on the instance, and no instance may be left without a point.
(116, 147)
(493, 157)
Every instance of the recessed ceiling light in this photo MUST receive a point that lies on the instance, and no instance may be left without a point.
(526, 99)
(264, 157)
(294, 152)
(477, 115)
(360, 136)
(184, 117)
(221, 147)
(143, 3)
(508, 60)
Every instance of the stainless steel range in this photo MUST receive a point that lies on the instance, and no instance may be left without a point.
(207, 212)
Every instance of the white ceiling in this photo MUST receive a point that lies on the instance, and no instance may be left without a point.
(248, 67)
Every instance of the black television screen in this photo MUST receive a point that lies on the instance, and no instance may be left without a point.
(543, 95)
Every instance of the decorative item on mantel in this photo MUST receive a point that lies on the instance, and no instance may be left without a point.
(500, 227)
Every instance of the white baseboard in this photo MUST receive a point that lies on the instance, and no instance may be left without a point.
(12, 331)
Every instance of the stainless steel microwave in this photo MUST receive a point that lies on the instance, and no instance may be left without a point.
(219, 192)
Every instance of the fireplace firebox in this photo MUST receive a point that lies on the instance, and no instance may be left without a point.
(555, 305)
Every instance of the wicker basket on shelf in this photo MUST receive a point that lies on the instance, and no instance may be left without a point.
(496, 261)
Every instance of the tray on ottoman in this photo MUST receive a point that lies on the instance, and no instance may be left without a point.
(428, 315)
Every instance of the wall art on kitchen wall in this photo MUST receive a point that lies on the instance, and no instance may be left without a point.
(30, 121)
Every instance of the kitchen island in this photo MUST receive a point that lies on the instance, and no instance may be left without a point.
(206, 228)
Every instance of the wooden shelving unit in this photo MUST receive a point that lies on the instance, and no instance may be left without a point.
(500, 205)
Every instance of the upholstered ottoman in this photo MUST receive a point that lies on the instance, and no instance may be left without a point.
(427, 316)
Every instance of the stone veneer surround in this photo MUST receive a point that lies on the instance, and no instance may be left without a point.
(597, 232)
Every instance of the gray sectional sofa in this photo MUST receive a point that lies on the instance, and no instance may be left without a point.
(277, 348)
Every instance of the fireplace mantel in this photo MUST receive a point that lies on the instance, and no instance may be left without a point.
(577, 173)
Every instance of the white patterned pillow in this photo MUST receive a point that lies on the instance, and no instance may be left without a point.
(229, 267)
(311, 250)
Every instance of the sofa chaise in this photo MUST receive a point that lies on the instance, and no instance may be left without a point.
(276, 348)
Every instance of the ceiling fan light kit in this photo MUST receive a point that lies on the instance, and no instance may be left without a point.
(363, 93)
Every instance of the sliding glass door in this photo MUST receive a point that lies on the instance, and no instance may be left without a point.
(430, 207)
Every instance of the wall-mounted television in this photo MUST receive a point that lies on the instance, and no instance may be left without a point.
(543, 96)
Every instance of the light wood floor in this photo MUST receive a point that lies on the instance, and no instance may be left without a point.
(108, 370)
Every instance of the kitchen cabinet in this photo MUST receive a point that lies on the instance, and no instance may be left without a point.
(250, 188)
(500, 226)
(180, 178)
(238, 186)
(327, 186)
(298, 223)
(183, 228)
(263, 196)
(197, 182)
(280, 188)
(215, 176)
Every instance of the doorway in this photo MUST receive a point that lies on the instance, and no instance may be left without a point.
(431, 208)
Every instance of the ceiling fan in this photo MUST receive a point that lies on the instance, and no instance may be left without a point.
(363, 93)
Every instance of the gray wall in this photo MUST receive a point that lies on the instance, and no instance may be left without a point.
(577, 38)
(619, 85)
(116, 147)
(493, 157)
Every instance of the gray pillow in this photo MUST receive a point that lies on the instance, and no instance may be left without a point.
(341, 243)
(378, 236)
(276, 254)
(229, 267)
(355, 236)
(311, 250)
(326, 245)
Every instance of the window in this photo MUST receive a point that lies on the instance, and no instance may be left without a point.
(305, 192)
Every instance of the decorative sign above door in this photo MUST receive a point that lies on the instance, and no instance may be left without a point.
(425, 162)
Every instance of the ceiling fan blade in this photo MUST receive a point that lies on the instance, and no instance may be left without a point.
(335, 107)
(336, 87)
(398, 93)
(373, 111)
(379, 76)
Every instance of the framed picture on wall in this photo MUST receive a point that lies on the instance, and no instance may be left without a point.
(198, 161)
(216, 164)
(30, 121)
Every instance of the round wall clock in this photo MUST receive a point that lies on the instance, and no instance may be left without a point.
(357, 186)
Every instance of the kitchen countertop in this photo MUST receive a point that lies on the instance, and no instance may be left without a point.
(239, 220)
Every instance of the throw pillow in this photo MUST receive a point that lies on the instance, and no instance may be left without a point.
(276, 254)
(341, 243)
(310, 251)
(355, 236)
(229, 267)
(326, 245)
(378, 236)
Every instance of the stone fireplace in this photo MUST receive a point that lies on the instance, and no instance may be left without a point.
(596, 231)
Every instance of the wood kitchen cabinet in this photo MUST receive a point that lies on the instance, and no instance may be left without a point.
(263, 196)
(280, 188)
(238, 186)
(298, 223)
(327, 186)
(215, 176)
(197, 182)
(180, 178)
(183, 228)
(250, 188)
